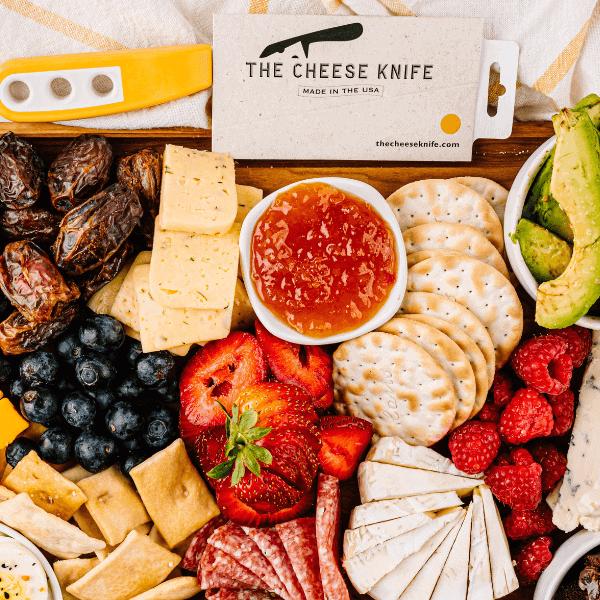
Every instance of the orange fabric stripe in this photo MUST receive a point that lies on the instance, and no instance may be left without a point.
(332, 5)
(51, 20)
(259, 7)
(560, 67)
(398, 8)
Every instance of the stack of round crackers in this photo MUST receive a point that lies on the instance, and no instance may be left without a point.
(429, 369)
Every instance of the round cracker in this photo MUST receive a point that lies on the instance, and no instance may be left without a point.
(480, 288)
(396, 385)
(493, 192)
(445, 201)
(453, 237)
(470, 348)
(447, 354)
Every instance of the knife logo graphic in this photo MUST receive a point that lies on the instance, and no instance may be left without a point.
(343, 33)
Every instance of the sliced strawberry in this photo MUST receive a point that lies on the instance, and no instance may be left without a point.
(210, 448)
(219, 371)
(326, 400)
(275, 399)
(242, 514)
(345, 441)
(267, 493)
(308, 367)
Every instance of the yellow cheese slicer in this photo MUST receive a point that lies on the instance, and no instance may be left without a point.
(79, 86)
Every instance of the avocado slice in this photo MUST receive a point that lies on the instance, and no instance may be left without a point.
(546, 255)
(575, 184)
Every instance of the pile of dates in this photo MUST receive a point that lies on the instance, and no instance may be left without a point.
(68, 230)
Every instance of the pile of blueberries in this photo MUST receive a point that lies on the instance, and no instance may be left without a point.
(102, 399)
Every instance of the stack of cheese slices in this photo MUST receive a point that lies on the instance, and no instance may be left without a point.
(412, 538)
(186, 290)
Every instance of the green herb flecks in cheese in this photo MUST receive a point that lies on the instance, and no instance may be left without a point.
(190, 270)
(198, 192)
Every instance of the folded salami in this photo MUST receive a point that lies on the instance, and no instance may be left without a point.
(193, 555)
(227, 594)
(216, 561)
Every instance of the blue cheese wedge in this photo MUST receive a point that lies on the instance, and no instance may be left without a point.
(247, 197)
(190, 270)
(162, 328)
(480, 575)
(198, 192)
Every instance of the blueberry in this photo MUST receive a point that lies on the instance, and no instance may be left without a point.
(160, 428)
(123, 421)
(155, 368)
(65, 385)
(132, 460)
(78, 410)
(169, 392)
(39, 368)
(131, 389)
(133, 351)
(17, 388)
(20, 448)
(134, 444)
(102, 333)
(40, 405)
(70, 348)
(95, 452)
(5, 370)
(95, 371)
(56, 445)
(104, 398)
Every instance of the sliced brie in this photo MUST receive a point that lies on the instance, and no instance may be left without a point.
(367, 536)
(453, 580)
(395, 451)
(504, 578)
(379, 481)
(369, 567)
(422, 586)
(480, 576)
(396, 581)
(386, 510)
(552, 497)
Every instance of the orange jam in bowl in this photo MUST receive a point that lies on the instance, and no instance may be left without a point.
(322, 260)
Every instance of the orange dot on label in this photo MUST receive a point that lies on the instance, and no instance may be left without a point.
(450, 124)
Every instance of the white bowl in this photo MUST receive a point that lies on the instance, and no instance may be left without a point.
(564, 558)
(54, 585)
(514, 208)
(277, 327)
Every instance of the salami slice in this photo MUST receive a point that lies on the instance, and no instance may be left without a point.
(228, 594)
(193, 556)
(328, 536)
(270, 544)
(216, 561)
(233, 540)
(211, 580)
(300, 542)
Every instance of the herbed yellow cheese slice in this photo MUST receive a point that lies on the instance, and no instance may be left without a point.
(189, 270)
(124, 307)
(198, 192)
(163, 328)
(101, 302)
(247, 198)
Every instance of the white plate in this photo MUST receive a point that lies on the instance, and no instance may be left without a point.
(514, 208)
(372, 197)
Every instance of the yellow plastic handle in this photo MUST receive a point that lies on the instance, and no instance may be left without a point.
(140, 78)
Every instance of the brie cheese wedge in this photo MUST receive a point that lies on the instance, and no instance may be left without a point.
(480, 576)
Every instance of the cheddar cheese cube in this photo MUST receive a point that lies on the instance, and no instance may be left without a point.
(11, 423)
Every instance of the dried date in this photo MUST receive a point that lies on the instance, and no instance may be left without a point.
(32, 283)
(81, 170)
(142, 171)
(18, 335)
(93, 231)
(22, 172)
(36, 224)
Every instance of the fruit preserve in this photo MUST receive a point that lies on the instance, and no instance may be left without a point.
(323, 260)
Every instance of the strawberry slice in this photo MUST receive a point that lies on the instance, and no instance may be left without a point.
(267, 493)
(307, 367)
(242, 514)
(326, 400)
(345, 441)
(210, 449)
(219, 371)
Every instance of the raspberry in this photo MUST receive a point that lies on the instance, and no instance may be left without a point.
(563, 410)
(502, 389)
(533, 559)
(527, 416)
(543, 364)
(518, 485)
(474, 445)
(579, 342)
(523, 524)
(553, 463)
(490, 413)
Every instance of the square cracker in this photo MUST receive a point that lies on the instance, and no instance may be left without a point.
(142, 530)
(45, 486)
(114, 504)
(6, 494)
(71, 570)
(179, 588)
(135, 567)
(174, 494)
